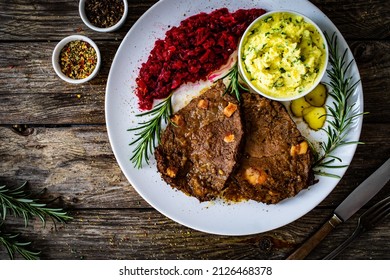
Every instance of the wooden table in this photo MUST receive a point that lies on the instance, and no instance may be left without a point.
(53, 135)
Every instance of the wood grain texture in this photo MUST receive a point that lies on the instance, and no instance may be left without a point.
(145, 234)
(24, 19)
(53, 135)
(27, 20)
(312, 242)
(124, 234)
(358, 19)
(31, 92)
(74, 163)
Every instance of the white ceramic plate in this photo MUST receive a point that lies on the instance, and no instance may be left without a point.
(121, 107)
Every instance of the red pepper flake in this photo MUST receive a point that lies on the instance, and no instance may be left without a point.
(78, 59)
(79, 29)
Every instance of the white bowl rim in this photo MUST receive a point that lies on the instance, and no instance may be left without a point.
(100, 29)
(56, 55)
(318, 79)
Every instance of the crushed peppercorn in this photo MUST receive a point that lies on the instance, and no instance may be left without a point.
(78, 59)
(104, 13)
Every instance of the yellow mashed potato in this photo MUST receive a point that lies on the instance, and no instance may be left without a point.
(283, 55)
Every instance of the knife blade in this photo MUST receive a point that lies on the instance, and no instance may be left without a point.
(364, 192)
(357, 199)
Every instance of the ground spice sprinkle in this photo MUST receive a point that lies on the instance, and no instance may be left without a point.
(78, 59)
(104, 13)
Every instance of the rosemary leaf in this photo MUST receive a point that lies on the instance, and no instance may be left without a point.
(234, 85)
(13, 245)
(334, 166)
(148, 135)
(17, 203)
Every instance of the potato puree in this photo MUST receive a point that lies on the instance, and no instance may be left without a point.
(283, 54)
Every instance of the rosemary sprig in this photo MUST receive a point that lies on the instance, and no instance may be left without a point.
(341, 115)
(17, 202)
(13, 246)
(150, 131)
(234, 85)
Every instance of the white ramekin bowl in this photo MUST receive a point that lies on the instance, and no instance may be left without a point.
(99, 29)
(56, 58)
(244, 73)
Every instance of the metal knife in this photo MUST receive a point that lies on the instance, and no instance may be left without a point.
(357, 199)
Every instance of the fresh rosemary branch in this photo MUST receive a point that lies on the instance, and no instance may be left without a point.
(149, 131)
(13, 245)
(17, 202)
(234, 85)
(341, 114)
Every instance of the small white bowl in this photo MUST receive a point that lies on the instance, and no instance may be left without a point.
(84, 17)
(56, 59)
(253, 28)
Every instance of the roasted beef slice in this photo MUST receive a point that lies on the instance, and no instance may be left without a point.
(199, 149)
(276, 159)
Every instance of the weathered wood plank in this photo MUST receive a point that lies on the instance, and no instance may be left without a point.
(76, 164)
(31, 93)
(374, 68)
(356, 19)
(27, 20)
(146, 234)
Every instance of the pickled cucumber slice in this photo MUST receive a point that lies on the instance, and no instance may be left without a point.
(317, 96)
(314, 117)
(298, 105)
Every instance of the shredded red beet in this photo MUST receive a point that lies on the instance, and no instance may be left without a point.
(191, 51)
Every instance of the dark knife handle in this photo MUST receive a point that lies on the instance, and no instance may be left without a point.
(315, 239)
